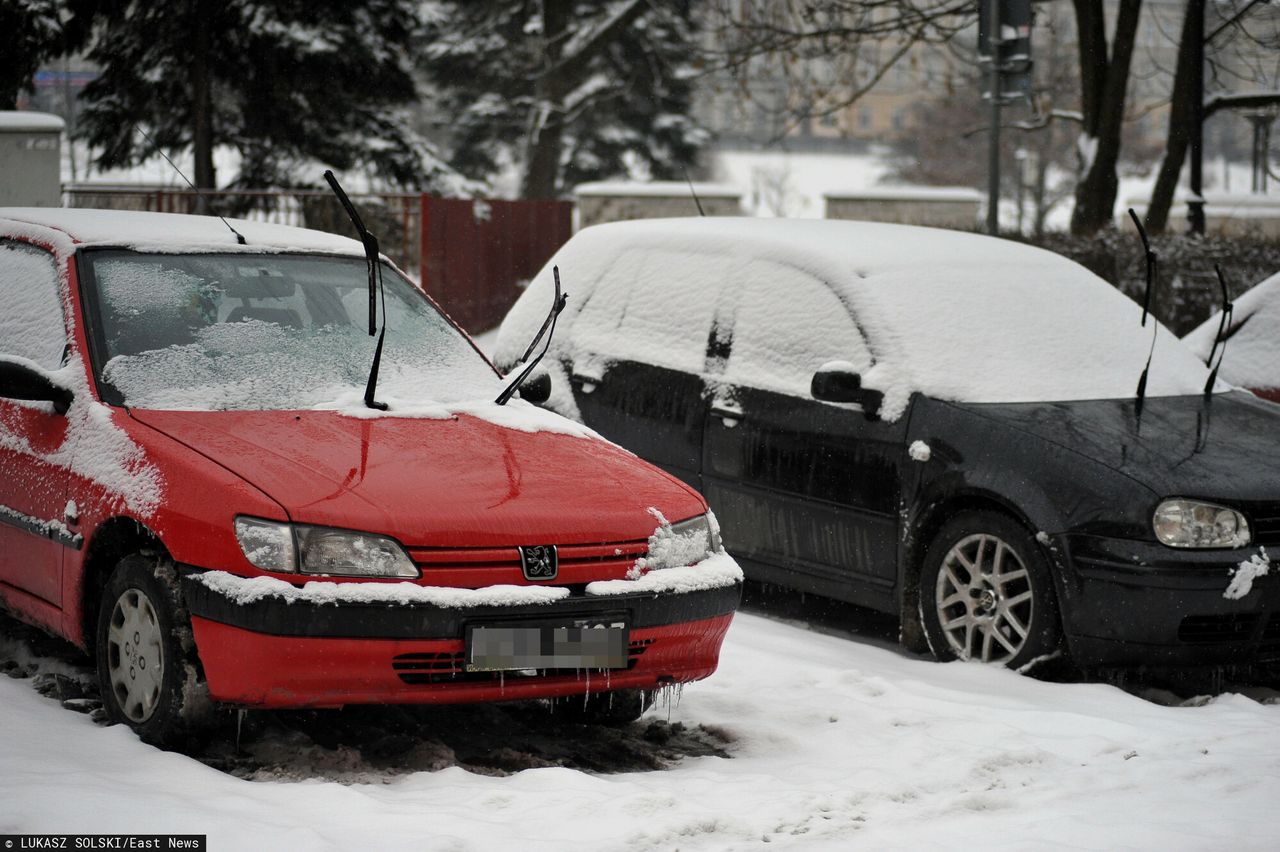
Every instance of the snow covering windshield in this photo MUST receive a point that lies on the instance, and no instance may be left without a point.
(271, 331)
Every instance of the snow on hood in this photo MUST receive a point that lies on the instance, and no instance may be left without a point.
(1252, 359)
(175, 232)
(953, 315)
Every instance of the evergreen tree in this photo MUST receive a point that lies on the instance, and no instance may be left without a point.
(568, 90)
(30, 33)
(284, 82)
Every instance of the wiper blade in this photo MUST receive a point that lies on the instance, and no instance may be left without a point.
(371, 253)
(1228, 309)
(1152, 260)
(549, 329)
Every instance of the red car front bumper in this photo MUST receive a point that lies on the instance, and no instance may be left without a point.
(278, 655)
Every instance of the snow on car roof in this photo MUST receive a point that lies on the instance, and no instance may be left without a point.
(1252, 359)
(169, 232)
(954, 315)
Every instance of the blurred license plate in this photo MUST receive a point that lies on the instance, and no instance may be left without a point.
(507, 647)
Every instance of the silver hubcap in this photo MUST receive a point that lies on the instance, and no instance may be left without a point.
(135, 655)
(984, 600)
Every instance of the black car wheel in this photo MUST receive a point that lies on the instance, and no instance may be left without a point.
(618, 707)
(986, 594)
(145, 651)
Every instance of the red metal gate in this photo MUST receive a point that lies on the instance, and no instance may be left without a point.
(478, 255)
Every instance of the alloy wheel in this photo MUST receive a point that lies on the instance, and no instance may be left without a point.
(985, 601)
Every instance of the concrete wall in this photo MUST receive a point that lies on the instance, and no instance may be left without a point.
(1226, 215)
(30, 159)
(944, 208)
(615, 202)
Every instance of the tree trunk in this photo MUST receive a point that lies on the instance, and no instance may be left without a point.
(1105, 81)
(544, 142)
(1181, 116)
(560, 75)
(201, 103)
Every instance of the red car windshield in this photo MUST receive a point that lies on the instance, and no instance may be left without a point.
(268, 331)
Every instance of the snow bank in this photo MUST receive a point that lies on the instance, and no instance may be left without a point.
(1252, 359)
(835, 744)
(953, 315)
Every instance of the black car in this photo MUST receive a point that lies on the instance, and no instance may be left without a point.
(934, 424)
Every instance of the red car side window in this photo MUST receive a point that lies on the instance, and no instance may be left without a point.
(31, 324)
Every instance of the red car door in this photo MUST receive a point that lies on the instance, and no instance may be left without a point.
(33, 438)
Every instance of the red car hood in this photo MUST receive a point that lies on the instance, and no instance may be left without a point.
(463, 482)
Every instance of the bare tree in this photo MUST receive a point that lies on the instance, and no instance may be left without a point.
(824, 54)
(1037, 153)
(1104, 82)
(1236, 54)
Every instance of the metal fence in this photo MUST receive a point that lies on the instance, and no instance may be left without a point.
(472, 256)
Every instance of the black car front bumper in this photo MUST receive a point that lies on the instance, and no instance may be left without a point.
(1141, 603)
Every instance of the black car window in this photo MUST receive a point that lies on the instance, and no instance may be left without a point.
(31, 323)
(654, 306)
(787, 325)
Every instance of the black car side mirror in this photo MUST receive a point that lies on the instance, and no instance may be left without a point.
(839, 385)
(19, 381)
(536, 388)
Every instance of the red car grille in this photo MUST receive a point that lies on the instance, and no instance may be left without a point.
(476, 567)
(418, 669)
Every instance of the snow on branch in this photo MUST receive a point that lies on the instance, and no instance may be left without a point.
(1242, 100)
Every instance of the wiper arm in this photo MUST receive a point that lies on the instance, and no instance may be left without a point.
(549, 329)
(370, 243)
(1152, 260)
(1228, 309)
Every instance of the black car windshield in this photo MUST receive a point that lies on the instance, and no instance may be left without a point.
(268, 331)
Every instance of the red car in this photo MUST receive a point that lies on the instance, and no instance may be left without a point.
(1252, 356)
(193, 489)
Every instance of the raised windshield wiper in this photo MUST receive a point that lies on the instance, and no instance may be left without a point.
(557, 305)
(370, 243)
(1146, 309)
(1228, 309)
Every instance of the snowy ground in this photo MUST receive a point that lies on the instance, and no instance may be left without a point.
(814, 739)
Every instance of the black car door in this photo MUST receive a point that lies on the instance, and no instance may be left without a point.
(638, 349)
(807, 492)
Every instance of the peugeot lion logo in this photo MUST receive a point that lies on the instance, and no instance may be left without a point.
(539, 561)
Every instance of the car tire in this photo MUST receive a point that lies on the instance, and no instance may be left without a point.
(146, 659)
(617, 707)
(986, 593)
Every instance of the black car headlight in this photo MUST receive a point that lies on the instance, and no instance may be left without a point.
(1197, 524)
(294, 548)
